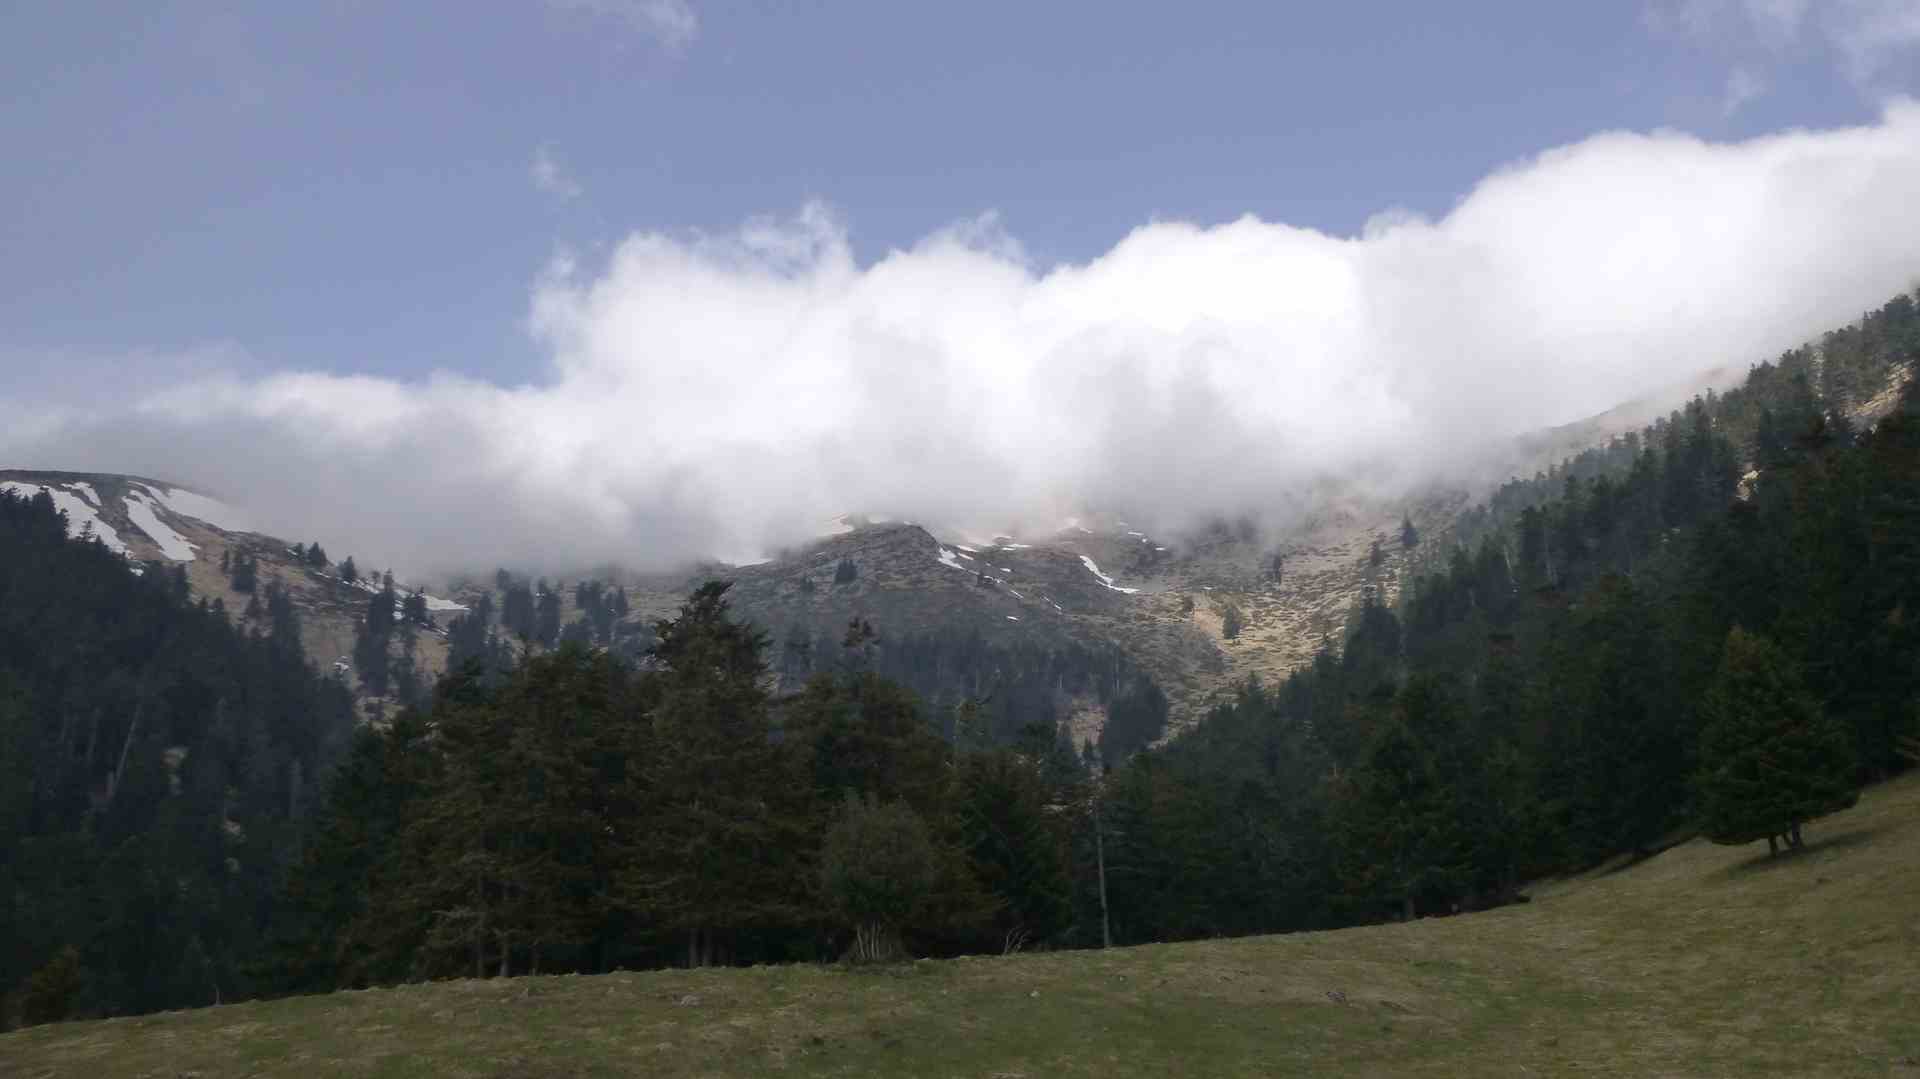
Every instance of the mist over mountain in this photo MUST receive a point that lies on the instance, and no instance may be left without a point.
(721, 395)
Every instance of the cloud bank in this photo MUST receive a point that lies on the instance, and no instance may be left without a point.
(723, 395)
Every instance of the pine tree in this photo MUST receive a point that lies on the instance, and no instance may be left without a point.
(316, 556)
(1232, 621)
(846, 572)
(1017, 849)
(517, 610)
(245, 572)
(719, 845)
(348, 571)
(1771, 758)
(370, 653)
(1399, 817)
(1409, 535)
(546, 628)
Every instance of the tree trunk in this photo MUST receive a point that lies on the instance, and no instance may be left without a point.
(1773, 848)
(1407, 907)
(120, 769)
(1100, 857)
(1796, 835)
(873, 943)
(506, 969)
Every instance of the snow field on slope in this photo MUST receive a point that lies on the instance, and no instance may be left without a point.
(201, 508)
(171, 543)
(80, 513)
(1104, 579)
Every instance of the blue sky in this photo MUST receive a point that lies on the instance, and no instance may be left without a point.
(349, 186)
(562, 282)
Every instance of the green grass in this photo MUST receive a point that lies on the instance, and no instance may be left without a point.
(1702, 961)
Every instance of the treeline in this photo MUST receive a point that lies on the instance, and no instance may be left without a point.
(530, 613)
(1844, 371)
(154, 763)
(1012, 688)
(585, 814)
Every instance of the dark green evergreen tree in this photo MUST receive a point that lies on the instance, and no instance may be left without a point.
(720, 852)
(1770, 759)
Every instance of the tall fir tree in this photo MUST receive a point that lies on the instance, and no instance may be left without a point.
(1771, 759)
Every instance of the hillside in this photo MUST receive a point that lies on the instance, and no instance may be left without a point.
(146, 519)
(1108, 598)
(1703, 960)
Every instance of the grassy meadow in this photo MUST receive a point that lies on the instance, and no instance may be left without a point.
(1701, 961)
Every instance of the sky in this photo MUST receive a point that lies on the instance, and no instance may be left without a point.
(675, 278)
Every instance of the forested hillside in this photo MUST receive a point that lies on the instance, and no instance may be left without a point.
(154, 765)
(1539, 703)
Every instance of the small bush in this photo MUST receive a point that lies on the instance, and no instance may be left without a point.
(878, 872)
(52, 991)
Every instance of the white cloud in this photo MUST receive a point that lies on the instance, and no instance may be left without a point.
(729, 393)
(1742, 86)
(670, 22)
(1868, 38)
(550, 176)
(1778, 22)
(1875, 34)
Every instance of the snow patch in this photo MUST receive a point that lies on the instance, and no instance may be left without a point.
(80, 513)
(171, 543)
(1013, 618)
(1014, 594)
(435, 603)
(1104, 579)
(85, 490)
(948, 557)
(201, 508)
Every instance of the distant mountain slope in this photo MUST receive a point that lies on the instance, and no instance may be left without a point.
(148, 520)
